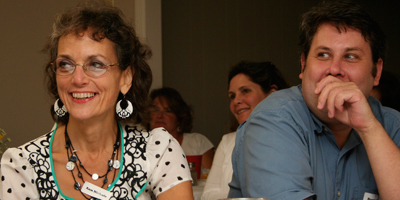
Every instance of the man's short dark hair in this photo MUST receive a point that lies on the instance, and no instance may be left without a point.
(343, 15)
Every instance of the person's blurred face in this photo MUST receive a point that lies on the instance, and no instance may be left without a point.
(345, 55)
(162, 115)
(86, 97)
(244, 95)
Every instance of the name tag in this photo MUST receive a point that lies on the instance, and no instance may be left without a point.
(370, 196)
(95, 191)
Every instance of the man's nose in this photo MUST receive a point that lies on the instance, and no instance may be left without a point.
(335, 69)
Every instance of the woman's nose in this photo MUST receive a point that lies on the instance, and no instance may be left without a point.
(237, 100)
(160, 114)
(79, 75)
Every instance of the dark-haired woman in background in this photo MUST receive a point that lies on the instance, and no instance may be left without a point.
(100, 80)
(170, 111)
(249, 83)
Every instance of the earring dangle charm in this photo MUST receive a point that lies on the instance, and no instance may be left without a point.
(124, 108)
(59, 108)
(178, 128)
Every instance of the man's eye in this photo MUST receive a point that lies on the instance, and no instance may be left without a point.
(351, 56)
(246, 91)
(323, 55)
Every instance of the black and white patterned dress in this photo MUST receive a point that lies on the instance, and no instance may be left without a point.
(151, 162)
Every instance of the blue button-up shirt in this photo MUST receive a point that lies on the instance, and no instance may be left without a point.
(284, 152)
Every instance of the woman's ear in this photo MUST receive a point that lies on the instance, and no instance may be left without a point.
(126, 80)
(273, 88)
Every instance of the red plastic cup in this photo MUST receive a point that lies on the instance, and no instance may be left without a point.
(196, 159)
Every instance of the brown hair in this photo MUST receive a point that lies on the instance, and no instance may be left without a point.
(177, 105)
(265, 74)
(342, 14)
(104, 22)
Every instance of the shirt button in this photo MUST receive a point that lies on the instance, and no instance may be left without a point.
(338, 193)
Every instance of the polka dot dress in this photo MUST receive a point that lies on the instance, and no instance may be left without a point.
(155, 158)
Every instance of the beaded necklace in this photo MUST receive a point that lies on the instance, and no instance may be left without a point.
(73, 159)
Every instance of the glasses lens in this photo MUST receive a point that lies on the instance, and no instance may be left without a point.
(95, 68)
(64, 67)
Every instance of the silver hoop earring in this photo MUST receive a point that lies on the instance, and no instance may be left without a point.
(124, 108)
(59, 108)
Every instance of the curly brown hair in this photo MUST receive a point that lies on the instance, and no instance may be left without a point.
(104, 22)
(183, 112)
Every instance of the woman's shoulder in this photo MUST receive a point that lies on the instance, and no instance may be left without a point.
(31, 152)
(229, 136)
(196, 136)
(136, 133)
(159, 135)
(42, 141)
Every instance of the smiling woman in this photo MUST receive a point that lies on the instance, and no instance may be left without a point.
(98, 75)
(171, 112)
(249, 84)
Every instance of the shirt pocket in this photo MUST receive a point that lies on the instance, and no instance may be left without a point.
(359, 193)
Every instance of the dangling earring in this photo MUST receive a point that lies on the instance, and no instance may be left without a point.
(59, 108)
(124, 108)
(178, 129)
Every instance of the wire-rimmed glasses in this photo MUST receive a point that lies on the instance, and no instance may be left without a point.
(92, 68)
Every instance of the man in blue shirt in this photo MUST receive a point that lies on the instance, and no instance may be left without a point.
(325, 138)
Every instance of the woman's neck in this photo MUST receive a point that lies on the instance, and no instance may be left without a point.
(178, 136)
(90, 137)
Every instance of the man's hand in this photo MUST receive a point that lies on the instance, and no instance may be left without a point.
(345, 102)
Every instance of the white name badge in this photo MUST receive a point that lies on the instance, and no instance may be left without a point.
(370, 196)
(95, 191)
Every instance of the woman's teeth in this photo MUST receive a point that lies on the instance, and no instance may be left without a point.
(82, 95)
(240, 111)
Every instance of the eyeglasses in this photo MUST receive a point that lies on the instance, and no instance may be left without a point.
(156, 110)
(92, 68)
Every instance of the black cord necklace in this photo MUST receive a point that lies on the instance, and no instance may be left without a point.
(73, 159)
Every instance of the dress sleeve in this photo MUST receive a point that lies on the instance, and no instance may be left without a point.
(213, 188)
(205, 143)
(167, 164)
(17, 176)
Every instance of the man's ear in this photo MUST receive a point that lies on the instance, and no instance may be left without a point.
(379, 68)
(126, 80)
(303, 65)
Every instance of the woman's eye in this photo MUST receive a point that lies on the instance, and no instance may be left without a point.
(96, 65)
(231, 97)
(64, 65)
(246, 90)
(168, 111)
(154, 109)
